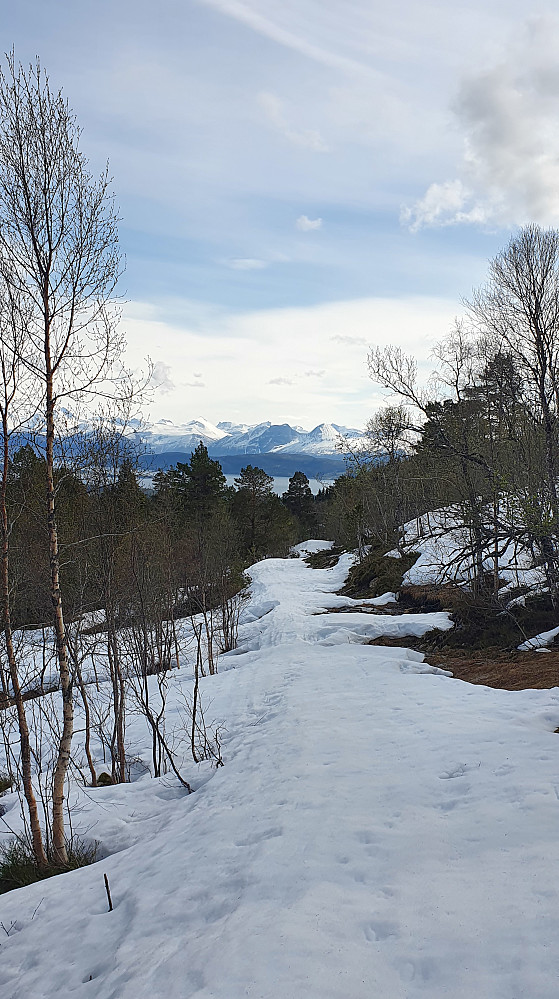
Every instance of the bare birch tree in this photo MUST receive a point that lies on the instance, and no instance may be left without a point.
(518, 310)
(59, 255)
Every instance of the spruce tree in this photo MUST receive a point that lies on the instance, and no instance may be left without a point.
(265, 525)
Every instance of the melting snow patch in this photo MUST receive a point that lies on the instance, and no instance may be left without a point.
(539, 641)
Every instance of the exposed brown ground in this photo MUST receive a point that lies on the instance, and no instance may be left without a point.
(491, 667)
(391, 608)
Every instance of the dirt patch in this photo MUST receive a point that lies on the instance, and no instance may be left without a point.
(326, 558)
(491, 667)
(482, 622)
(391, 608)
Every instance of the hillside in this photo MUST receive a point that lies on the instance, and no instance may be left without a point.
(378, 829)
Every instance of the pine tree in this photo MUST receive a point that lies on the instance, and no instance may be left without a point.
(300, 502)
(205, 482)
(266, 526)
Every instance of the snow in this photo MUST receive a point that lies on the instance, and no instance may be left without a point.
(539, 641)
(441, 543)
(264, 438)
(323, 439)
(376, 830)
(193, 427)
(280, 484)
(167, 436)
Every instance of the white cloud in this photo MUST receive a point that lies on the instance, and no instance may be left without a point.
(307, 225)
(508, 115)
(310, 138)
(239, 353)
(442, 205)
(351, 341)
(161, 377)
(246, 264)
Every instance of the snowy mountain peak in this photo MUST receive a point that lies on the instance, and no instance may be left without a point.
(324, 432)
(204, 427)
(241, 438)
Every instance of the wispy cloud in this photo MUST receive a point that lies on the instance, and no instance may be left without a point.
(245, 13)
(444, 204)
(246, 264)
(310, 138)
(306, 224)
(351, 341)
(280, 381)
(315, 374)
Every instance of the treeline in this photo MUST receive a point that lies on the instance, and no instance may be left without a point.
(191, 529)
(481, 438)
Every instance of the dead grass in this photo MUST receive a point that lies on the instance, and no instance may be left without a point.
(491, 667)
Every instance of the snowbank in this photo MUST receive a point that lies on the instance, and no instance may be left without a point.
(540, 641)
(441, 541)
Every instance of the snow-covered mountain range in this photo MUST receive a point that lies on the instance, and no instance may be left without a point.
(240, 438)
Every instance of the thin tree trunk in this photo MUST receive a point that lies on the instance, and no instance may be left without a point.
(548, 543)
(495, 543)
(118, 754)
(25, 748)
(87, 716)
(60, 855)
(195, 694)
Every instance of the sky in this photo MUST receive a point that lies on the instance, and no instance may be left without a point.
(298, 181)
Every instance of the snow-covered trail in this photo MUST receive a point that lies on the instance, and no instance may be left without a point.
(291, 598)
(376, 831)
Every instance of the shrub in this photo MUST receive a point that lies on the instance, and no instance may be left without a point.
(104, 779)
(6, 783)
(18, 868)
(378, 573)
(325, 558)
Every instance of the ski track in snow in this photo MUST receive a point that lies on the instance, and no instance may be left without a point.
(378, 829)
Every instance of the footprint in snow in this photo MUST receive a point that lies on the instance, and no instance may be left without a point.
(365, 836)
(259, 835)
(458, 770)
(380, 930)
(504, 770)
(423, 969)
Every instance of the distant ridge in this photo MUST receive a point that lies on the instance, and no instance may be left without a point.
(238, 438)
(278, 465)
(279, 449)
